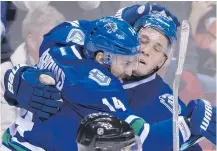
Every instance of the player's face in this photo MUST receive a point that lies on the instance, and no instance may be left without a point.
(123, 66)
(153, 46)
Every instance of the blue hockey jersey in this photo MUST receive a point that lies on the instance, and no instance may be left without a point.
(86, 87)
(152, 99)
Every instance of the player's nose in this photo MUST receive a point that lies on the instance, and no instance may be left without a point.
(145, 51)
(129, 70)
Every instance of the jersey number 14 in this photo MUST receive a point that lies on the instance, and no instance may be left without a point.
(117, 104)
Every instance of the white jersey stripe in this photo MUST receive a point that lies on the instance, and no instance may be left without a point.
(145, 132)
(134, 84)
(130, 118)
(75, 51)
(27, 145)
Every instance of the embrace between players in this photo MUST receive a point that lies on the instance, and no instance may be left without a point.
(92, 63)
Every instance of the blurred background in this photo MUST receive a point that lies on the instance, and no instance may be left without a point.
(22, 31)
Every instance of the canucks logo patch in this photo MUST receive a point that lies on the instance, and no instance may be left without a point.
(167, 100)
(77, 36)
(111, 27)
(99, 77)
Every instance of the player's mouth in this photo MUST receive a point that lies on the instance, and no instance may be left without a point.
(142, 62)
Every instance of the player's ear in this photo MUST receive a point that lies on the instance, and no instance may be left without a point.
(99, 57)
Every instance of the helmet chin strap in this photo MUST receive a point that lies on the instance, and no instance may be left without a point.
(136, 78)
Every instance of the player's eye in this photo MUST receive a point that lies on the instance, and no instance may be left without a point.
(129, 63)
(157, 49)
(126, 63)
(144, 41)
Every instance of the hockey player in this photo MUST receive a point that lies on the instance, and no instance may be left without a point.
(53, 135)
(110, 37)
(101, 131)
(48, 108)
(155, 50)
(149, 96)
(157, 35)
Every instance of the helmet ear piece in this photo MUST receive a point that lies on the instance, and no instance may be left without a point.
(161, 64)
(99, 56)
(90, 52)
(162, 61)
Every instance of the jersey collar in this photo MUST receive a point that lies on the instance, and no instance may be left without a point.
(136, 83)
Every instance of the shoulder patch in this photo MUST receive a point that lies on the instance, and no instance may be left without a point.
(77, 36)
(99, 77)
(167, 100)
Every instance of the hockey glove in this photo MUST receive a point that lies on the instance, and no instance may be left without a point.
(33, 90)
(133, 13)
(202, 119)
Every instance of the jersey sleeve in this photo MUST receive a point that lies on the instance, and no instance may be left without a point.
(155, 137)
(60, 61)
(149, 134)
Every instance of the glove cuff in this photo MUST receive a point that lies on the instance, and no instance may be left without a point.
(184, 129)
(12, 81)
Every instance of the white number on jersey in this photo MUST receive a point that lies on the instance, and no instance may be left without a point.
(117, 104)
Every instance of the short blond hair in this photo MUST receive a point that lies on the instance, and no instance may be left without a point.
(40, 17)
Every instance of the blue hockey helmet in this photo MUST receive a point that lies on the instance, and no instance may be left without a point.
(161, 23)
(112, 36)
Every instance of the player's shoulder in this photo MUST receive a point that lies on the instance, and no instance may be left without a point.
(93, 79)
(65, 34)
(68, 26)
(99, 73)
(167, 99)
(64, 56)
(165, 88)
(152, 82)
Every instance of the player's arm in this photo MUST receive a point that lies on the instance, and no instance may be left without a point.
(162, 133)
(32, 94)
(24, 88)
(202, 123)
(133, 13)
(150, 135)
